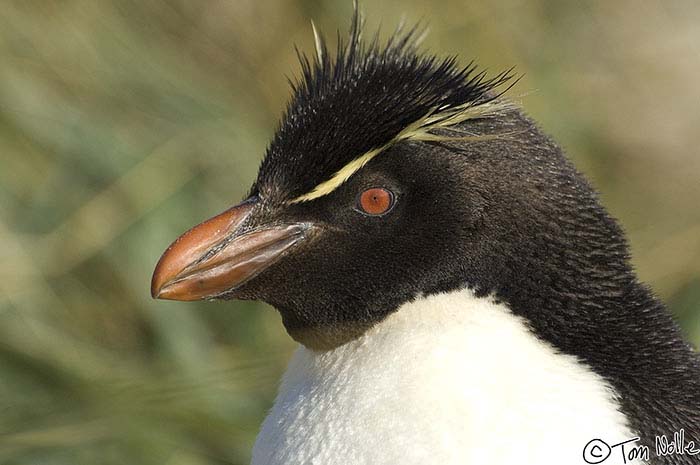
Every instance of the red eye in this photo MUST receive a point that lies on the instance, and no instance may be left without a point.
(376, 201)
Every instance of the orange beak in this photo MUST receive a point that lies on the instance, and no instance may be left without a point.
(215, 256)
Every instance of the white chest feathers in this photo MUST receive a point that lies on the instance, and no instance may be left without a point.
(448, 379)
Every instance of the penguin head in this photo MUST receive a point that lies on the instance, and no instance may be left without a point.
(392, 175)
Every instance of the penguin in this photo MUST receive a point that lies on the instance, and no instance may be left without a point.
(458, 292)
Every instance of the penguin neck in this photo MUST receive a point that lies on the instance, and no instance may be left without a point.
(627, 336)
(446, 371)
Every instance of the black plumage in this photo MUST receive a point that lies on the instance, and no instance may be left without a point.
(347, 104)
(508, 216)
(501, 211)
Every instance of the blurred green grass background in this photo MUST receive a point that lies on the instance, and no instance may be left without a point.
(125, 122)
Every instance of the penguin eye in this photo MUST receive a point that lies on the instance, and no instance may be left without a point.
(375, 201)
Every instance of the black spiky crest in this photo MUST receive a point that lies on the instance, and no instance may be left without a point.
(361, 99)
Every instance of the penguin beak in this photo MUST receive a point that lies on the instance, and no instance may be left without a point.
(218, 255)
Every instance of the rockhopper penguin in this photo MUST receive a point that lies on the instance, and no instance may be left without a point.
(459, 294)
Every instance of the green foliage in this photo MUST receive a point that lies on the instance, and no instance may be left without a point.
(123, 123)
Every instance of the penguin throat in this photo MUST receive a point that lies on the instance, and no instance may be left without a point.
(448, 378)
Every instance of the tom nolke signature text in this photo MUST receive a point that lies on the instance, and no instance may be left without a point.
(598, 451)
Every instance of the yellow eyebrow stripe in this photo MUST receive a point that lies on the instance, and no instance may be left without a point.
(419, 130)
(338, 178)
